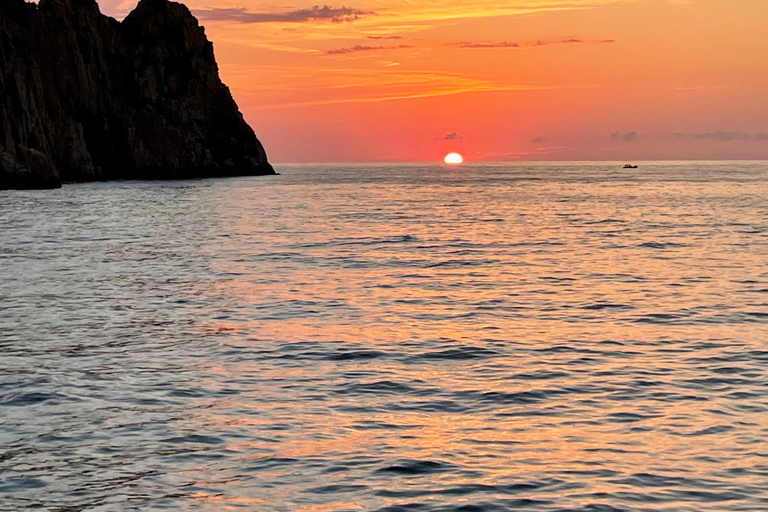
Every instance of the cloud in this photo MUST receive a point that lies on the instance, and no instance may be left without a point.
(461, 45)
(538, 140)
(722, 136)
(526, 44)
(452, 136)
(624, 137)
(503, 44)
(444, 10)
(362, 48)
(536, 153)
(316, 13)
(574, 40)
(288, 86)
(718, 136)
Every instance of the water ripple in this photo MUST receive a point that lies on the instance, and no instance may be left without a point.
(395, 338)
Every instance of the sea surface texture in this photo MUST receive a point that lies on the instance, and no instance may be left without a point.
(389, 338)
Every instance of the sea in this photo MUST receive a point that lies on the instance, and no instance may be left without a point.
(497, 337)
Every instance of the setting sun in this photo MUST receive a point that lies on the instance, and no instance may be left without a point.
(454, 159)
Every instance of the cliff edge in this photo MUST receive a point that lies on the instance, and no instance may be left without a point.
(84, 97)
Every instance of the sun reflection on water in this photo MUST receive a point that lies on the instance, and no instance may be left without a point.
(558, 336)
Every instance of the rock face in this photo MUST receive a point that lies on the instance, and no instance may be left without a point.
(84, 97)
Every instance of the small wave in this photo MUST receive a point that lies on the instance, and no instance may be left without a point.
(355, 355)
(480, 506)
(539, 375)
(605, 221)
(385, 387)
(459, 354)
(462, 263)
(417, 467)
(606, 305)
(194, 439)
(715, 429)
(26, 399)
(337, 489)
(557, 349)
(628, 417)
(661, 245)
(662, 481)
(520, 397)
(708, 496)
(10, 485)
(269, 463)
(660, 318)
(439, 406)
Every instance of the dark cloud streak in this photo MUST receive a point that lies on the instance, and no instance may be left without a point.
(528, 44)
(725, 136)
(624, 137)
(363, 48)
(316, 13)
(503, 44)
(722, 136)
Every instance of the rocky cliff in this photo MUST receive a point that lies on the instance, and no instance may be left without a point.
(84, 97)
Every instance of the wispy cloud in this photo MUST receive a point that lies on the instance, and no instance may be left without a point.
(452, 136)
(574, 40)
(462, 45)
(316, 13)
(400, 14)
(624, 137)
(537, 153)
(362, 48)
(503, 44)
(300, 86)
(723, 136)
(525, 44)
(438, 10)
(717, 136)
(372, 20)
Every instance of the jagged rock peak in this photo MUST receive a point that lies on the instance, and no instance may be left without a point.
(161, 6)
(84, 97)
(90, 5)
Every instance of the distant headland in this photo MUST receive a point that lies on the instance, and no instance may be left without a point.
(84, 97)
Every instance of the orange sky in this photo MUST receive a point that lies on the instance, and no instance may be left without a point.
(410, 80)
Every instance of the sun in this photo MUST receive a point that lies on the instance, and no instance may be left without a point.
(454, 159)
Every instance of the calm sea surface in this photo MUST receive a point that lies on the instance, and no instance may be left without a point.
(389, 338)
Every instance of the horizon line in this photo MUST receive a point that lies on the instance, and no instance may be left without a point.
(492, 162)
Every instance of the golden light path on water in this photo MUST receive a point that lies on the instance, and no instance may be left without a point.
(543, 338)
(565, 311)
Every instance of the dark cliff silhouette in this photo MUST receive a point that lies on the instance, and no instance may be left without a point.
(84, 97)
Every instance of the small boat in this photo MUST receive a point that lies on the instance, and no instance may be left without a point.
(630, 166)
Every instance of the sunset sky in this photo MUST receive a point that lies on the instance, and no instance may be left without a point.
(411, 80)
